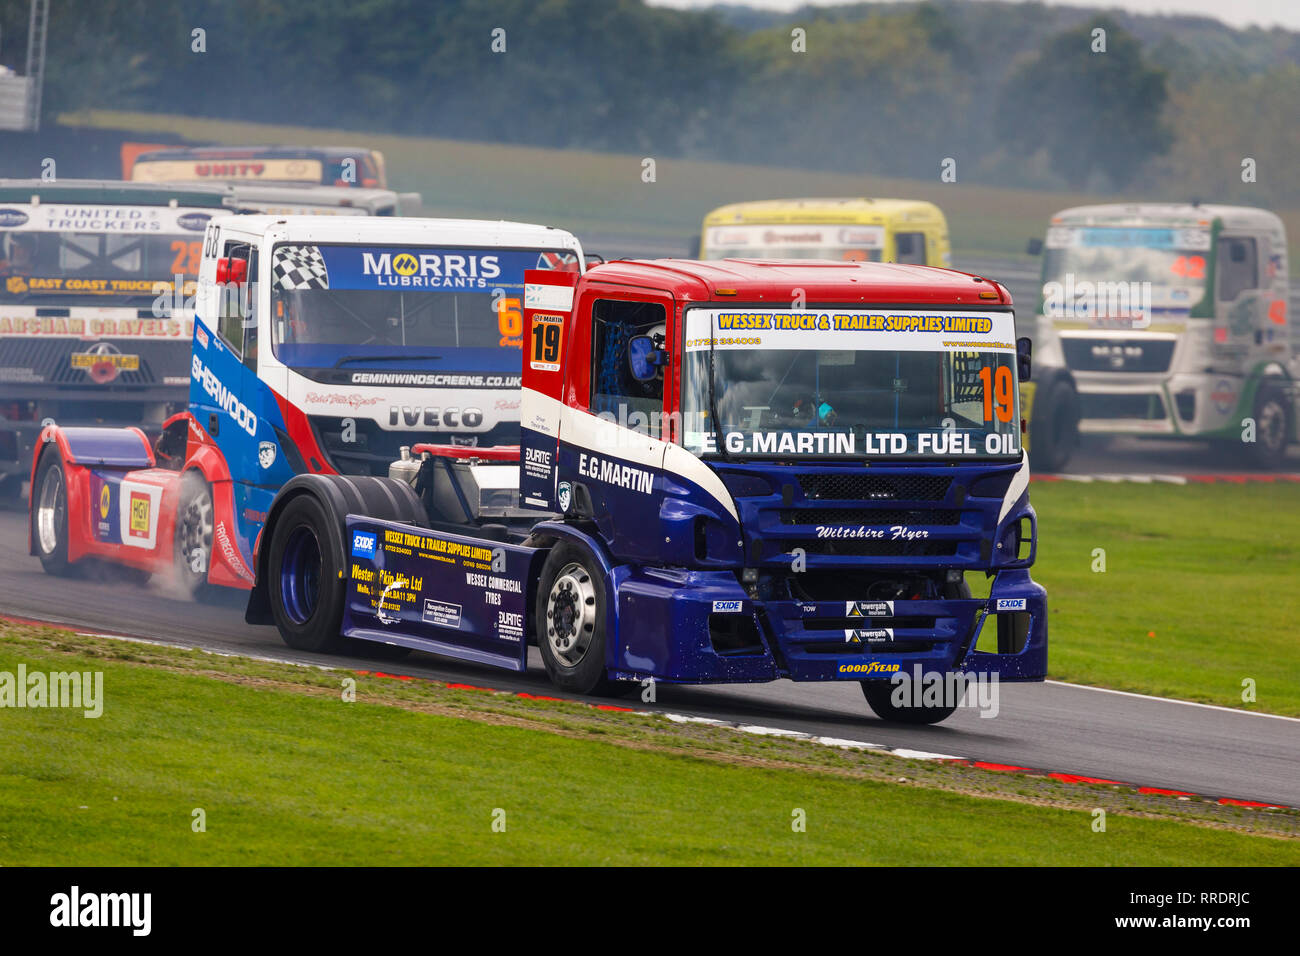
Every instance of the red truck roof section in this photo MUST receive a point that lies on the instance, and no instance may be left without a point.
(774, 280)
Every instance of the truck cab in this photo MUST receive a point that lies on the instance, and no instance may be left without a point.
(1165, 320)
(854, 230)
(89, 273)
(738, 471)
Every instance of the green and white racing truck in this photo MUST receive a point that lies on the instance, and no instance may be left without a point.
(1165, 320)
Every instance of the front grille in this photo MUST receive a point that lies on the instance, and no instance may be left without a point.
(857, 487)
(841, 648)
(1149, 407)
(50, 360)
(874, 547)
(866, 624)
(1118, 355)
(868, 516)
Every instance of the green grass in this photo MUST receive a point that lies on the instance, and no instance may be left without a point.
(586, 191)
(287, 773)
(1199, 592)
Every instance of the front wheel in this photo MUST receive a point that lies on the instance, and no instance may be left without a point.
(1272, 428)
(894, 702)
(304, 577)
(1053, 426)
(50, 514)
(570, 621)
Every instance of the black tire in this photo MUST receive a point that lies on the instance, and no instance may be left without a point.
(305, 588)
(1273, 428)
(192, 539)
(571, 594)
(1054, 425)
(879, 693)
(49, 514)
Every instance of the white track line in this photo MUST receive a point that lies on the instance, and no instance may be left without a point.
(326, 667)
(1174, 700)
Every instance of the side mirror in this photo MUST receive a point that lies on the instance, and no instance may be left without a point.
(232, 271)
(1024, 357)
(644, 358)
(1034, 246)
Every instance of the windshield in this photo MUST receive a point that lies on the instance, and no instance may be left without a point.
(100, 256)
(336, 305)
(850, 384)
(1162, 268)
(846, 243)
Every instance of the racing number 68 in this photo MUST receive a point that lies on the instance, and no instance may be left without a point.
(997, 392)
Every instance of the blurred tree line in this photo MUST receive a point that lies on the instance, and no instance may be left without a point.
(1016, 94)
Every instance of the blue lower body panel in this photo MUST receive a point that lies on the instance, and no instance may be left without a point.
(702, 627)
(447, 594)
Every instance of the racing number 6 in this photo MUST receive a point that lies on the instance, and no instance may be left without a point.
(997, 391)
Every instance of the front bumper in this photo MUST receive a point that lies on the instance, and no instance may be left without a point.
(702, 627)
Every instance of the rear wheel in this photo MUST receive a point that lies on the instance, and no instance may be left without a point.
(303, 577)
(570, 621)
(50, 514)
(193, 548)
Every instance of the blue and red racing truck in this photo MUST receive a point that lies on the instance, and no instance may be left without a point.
(711, 486)
(321, 346)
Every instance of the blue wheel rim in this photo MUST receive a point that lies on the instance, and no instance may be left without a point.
(300, 574)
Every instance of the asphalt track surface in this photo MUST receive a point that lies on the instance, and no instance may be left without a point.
(1053, 727)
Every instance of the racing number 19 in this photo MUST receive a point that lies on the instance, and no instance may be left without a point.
(548, 331)
(997, 392)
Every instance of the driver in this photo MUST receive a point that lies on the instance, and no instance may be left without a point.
(812, 410)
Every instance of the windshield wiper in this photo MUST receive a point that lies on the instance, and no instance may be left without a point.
(388, 358)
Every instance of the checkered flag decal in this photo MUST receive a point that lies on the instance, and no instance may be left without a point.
(299, 267)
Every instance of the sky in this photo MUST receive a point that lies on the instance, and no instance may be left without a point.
(1238, 13)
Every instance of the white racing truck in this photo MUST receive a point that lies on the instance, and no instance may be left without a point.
(90, 332)
(1165, 320)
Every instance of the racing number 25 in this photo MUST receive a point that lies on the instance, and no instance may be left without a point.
(997, 392)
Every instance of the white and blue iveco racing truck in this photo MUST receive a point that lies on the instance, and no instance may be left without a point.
(322, 345)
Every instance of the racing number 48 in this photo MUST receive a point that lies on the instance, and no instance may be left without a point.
(997, 392)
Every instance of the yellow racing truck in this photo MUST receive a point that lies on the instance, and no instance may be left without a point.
(1165, 320)
(855, 230)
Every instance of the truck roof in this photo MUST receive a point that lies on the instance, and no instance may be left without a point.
(310, 194)
(249, 152)
(775, 280)
(110, 192)
(1167, 213)
(857, 211)
(402, 231)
